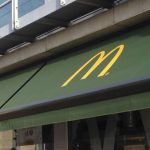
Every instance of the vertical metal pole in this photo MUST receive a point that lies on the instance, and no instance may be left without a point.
(15, 19)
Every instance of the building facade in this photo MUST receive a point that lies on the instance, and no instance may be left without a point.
(75, 78)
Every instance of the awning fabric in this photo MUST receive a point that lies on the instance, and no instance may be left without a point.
(13, 82)
(118, 105)
(118, 61)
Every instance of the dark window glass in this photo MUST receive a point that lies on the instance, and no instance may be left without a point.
(124, 131)
(130, 133)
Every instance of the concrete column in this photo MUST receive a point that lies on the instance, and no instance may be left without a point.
(61, 136)
(110, 132)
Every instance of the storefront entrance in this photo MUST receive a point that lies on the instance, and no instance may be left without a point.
(123, 131)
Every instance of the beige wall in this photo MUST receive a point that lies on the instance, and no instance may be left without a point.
(32, 147)
(6, 140)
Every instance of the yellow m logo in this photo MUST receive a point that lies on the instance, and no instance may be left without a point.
(101, 57)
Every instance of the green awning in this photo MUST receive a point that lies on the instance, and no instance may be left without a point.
(113, 106)
(11, 83)
(109, 64)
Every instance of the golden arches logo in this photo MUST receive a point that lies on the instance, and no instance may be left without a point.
(101, 57)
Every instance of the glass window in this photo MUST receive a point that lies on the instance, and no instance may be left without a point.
(5, 14)
(2, 1)
(124, 131)
(26, 6)
(130, 132)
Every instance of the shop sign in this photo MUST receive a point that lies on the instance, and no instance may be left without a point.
(101, 56)
(29, 136)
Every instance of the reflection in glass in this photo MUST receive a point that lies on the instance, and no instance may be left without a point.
(130, 133)
(5, 14)
(26, 6)
(115, 132)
